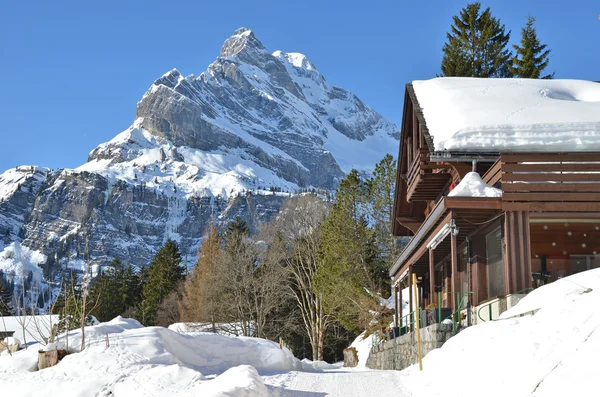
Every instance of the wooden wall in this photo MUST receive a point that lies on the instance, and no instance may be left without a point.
(518, 251)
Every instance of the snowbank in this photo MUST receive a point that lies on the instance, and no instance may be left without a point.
(550, 353)
(473, 186)
(474, 114)
(124, 358)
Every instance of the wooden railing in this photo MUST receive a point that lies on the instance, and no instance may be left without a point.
(423, 181)
(551, 182)
(417, 167)
(494, 174)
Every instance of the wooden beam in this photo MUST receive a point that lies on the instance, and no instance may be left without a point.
(400, 301)
(473, 203)
(554, 196)
(396, 306)
(551, 207)
(432, 276)
(454, 262)
(550, 157)
(550, 187)
(526, 269)
(552, 167)
(474, 263)
(494, 174)
(415, 133)
(410, 295)
(575, 177)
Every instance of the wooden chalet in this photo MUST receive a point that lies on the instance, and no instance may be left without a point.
(478, 251)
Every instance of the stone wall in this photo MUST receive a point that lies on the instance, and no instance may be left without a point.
(402, 352)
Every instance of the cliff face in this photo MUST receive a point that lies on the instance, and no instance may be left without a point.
(234, 141)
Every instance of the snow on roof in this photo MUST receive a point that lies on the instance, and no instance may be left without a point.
(478, 115)
(473, 186)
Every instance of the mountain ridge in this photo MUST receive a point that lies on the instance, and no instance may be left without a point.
(251, 129)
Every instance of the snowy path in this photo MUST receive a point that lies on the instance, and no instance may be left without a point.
(340, 382)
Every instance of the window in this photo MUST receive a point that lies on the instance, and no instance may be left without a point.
(495, 267)
(581, 263)
(578, 263)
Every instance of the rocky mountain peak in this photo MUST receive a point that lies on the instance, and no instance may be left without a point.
(242, 40)
(252, 129)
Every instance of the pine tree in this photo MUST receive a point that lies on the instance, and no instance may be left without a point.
(347, 252)
(381, 197)
(476, 45)
(531, 56)
(117, 289)
(164, 274)
(200, 301)
(236, 230)
(5, 296)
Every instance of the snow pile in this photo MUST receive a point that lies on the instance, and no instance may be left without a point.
(473, 186)
(124, 358)
(550, 353)
(474, 114)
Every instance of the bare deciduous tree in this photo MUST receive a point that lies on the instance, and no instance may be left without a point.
(300, 224)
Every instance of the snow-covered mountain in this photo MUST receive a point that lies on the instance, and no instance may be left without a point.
(251, 129)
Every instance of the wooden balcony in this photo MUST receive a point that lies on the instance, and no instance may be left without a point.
(551, 182)
(425, 180)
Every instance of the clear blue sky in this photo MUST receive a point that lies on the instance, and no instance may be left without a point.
(73, 71)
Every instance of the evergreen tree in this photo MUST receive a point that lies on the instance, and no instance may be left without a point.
(477, 45)
(116, 289)
(347, 252)
(531, 56)
(164, 274)
(6, 291)
(381, 196)
(236, 231)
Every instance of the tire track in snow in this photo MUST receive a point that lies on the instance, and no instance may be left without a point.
(338, 383)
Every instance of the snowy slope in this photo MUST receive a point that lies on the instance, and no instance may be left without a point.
(476, 114)
(179, 171)
(551, 353)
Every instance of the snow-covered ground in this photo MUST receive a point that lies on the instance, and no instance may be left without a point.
(550, 353)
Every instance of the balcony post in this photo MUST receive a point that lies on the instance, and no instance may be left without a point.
(431, 276)
(410, 296)
(454, 264)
